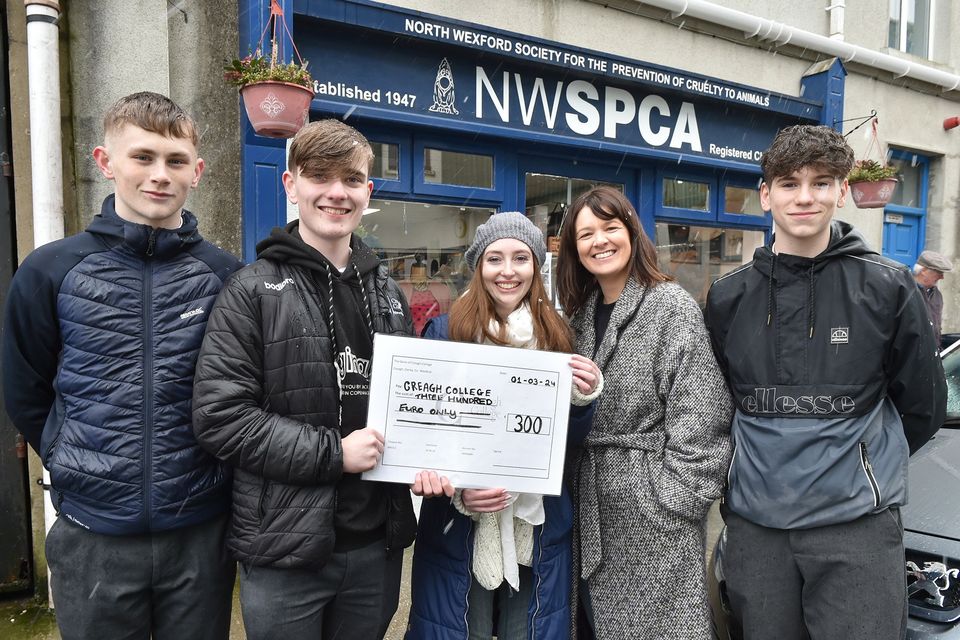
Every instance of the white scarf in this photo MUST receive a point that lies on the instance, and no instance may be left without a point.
(504, 539)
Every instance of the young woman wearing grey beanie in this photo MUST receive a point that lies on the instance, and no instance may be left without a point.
(481, 550)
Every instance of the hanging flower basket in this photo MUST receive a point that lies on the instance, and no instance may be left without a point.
(276, 109)
(872, 183)
(276, 95)
(873, 195)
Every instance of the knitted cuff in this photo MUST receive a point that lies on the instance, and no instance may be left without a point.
(458, 504)
(579, 399)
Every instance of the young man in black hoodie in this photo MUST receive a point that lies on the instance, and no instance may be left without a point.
(835, 377)
(281, 395)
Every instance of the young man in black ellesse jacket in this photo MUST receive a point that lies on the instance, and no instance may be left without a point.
(836, 378)
(281, 395)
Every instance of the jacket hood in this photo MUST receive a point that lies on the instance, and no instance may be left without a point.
(144, 239)
(844, 241)
(784, 268)
(286, 245)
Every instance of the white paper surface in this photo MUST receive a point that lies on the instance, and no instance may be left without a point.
(481, 415)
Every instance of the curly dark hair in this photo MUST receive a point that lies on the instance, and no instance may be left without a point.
(807, 145)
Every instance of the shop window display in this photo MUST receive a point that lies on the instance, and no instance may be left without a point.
(423, 246)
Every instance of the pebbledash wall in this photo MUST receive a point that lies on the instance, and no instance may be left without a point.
(523, 104)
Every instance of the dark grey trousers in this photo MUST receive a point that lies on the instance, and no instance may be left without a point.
(844, 581)
(175, 585)
(353, 597)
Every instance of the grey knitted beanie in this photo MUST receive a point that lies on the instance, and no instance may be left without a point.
(509, 224)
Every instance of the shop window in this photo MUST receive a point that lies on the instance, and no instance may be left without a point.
(548, 199)
(744, 201)
(686, 194)
(458, 169)
(910, 26)
(386, 161)
(696, 256)
(423, 246)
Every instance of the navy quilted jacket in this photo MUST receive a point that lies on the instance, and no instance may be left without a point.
(101, 336)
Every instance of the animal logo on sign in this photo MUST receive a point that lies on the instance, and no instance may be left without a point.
(443, 90)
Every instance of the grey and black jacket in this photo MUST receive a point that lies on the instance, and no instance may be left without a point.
(266, 401)
(835, 376)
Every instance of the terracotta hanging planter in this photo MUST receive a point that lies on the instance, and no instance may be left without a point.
(276, 109)
(873, 195)
(276, 94)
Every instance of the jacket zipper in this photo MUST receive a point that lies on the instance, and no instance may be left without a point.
(733, 458)
(536, 612)
(466, 597)
(868, 471)
(147, 378)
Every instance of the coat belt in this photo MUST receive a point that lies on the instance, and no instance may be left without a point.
(591, 548)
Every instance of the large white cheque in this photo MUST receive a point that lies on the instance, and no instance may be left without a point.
(481, 415)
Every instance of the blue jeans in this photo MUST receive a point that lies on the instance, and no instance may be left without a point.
(353, 596)
(514, 609)
(175, 585)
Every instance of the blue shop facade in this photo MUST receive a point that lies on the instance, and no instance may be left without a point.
(466, 120)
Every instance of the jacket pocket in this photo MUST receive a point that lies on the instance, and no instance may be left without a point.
(868, 472)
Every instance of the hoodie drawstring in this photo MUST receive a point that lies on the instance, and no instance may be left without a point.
(333, 332)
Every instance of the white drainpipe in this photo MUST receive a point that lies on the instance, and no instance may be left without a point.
(781, 34)
(43, 58)
(836, 9)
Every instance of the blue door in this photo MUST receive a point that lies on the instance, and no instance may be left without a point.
(901, 237)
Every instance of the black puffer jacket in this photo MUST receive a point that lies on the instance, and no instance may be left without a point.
(266, 401)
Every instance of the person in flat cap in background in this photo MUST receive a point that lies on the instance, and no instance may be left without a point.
(928, 271)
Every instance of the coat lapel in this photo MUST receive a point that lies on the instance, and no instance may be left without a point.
(623, 312)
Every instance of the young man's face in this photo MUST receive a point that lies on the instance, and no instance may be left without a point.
(330, 205)
(153, 174)
(803, 205)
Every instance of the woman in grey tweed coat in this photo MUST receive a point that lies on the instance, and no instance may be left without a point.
(659, 449)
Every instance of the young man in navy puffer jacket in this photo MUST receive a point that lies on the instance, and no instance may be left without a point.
(100, 342)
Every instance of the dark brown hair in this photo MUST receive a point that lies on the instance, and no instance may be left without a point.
(472, 313)
(807, 145)
(151, 112)
(328, 146)
(574, 282)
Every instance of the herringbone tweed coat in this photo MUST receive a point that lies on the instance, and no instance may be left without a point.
(651, 467)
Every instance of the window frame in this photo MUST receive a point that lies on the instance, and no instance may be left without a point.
(901, 44)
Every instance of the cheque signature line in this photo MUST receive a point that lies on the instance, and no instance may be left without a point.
(444, 424)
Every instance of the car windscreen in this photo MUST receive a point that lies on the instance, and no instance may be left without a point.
(951, 367)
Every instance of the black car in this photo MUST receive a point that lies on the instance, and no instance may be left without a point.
(931, 523)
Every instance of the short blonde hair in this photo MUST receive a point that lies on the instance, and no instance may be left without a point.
(151, 112)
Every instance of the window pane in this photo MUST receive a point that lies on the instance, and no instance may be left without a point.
(462, 169)
(684, 194)
(548, 198)
(742, 200)
(386, 161)
(910, 173)
(423, 245)
(918, 27)
(696, 256)
(893, 37)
